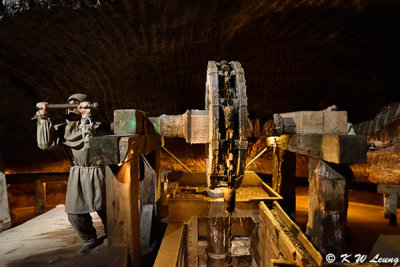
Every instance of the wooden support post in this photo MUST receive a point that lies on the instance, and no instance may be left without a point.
(327, 207)
(217, 224)
(157, 169)
(386, 206)
(393, 209)
(217, 248)
(148, 191)
(40, 196)
(284, 175)
(279, 238)
(171, 246)
(5, 219)
(390, 198)
(121, 153)
(123, 216)
(192, 242)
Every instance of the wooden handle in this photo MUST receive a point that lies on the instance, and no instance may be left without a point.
(65, 106)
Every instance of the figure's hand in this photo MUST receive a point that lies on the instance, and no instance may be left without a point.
(84, 107)
(42, 106)
(377, 143)
(331, 108)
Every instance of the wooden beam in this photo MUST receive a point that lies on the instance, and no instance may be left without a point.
(388, 188)
(170, 249)
(192, 242)
(131, 121)
(280, 237)
(123, 216)
(312, 122)
(391, 195)
(116, 149)
(40, 196)
(327, 207)
(298, 233)
(284, 174)
(340, 149)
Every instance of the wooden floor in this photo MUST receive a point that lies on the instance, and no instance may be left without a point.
(365, 222)
(49, 239)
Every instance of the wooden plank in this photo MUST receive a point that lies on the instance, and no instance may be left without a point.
(169, 252)
(283, 236)
(277, 236)
(40, 196)
(282, 263)
(192, 242)
(254, 248)
(300, 236)
(340, 149)
(266, 246)
(388, 189)
(123, 216)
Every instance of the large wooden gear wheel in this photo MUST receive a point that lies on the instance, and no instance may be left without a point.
(226, 101)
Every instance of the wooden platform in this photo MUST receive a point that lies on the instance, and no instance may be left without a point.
(49, 239)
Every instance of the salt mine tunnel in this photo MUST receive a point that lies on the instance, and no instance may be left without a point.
(204, 162)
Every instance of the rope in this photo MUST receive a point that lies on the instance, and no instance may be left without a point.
(256, 157)
(174, 157)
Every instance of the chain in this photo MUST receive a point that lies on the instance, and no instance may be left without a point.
(229, 111)
(231, 181)
(229, 242)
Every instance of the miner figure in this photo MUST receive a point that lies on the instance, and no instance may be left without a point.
(86, 182)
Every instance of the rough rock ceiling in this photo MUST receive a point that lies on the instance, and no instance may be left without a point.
(152, 55)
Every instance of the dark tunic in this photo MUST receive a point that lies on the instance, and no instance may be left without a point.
(86, 182)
